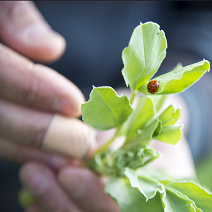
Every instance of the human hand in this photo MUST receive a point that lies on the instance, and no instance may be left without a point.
(74, 189)
(77, 181)
(30, 94)
(77, 189)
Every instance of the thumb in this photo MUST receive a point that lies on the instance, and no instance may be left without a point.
(23, 28)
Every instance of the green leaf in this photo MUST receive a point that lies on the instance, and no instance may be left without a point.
(143, 137)
(105, 110)
(155, 174)
(158, 129)
(145, 185)
(170, 134)
(176, 116)
(169, 116)
(179, 79)
(25, 198)
(201, 197)
(165, 130)
(132, 158)
(175, 202)
(189, 201)
(144, 54)
(143, 113)
(131, 199)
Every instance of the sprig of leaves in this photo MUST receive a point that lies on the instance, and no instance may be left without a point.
(132, 185)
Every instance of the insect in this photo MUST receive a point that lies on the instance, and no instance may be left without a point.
(153, 86)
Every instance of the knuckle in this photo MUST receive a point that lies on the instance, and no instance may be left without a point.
(30, 88)
(35, 133)
(18, 13)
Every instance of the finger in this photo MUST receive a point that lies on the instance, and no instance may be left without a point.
(20, 154)
(176, 161)
(41, 183)
(23, 125)
(86, 189)
(40, 129)
(37, 85)
(23, 28)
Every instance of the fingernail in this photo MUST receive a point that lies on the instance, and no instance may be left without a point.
(74, 186)
(38, 33)
(35, 182)
(65, 106)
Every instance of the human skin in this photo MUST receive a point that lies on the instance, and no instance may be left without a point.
(30, 95)
(30, 90)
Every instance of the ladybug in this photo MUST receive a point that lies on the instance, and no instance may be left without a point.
(153, 86)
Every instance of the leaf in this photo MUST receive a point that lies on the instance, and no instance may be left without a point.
(201, 197)
(145, 185)
(130, 199)
(25, 199)
(170, 134)
(105, 110)
(179, 79)
(175, 116)
(189, 201)
(158, 129)
(132, 158)
(144, 54)
(165, 130)
(143, 113)
(155, 174)
(169, 116)
(143, 137)
(175, 202)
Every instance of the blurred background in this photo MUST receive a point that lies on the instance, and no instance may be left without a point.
(97, 32)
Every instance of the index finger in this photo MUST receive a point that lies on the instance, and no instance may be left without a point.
(24, 29)
(37, 85)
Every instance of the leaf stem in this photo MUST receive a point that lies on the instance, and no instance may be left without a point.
(133, 94)
(105, 146)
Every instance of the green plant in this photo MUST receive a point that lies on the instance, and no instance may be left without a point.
(133, 185)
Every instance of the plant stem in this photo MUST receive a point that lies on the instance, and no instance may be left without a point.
(133, 94)
(105, 146)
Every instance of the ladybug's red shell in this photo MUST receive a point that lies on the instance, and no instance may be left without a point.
(153, 86)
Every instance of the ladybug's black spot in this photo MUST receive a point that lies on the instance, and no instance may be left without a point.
(155, 81)
(148, 89)
(153, 90)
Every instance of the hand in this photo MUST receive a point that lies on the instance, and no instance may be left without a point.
(77, 189)
(30, 94)
(74, 189)
(85, 190)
